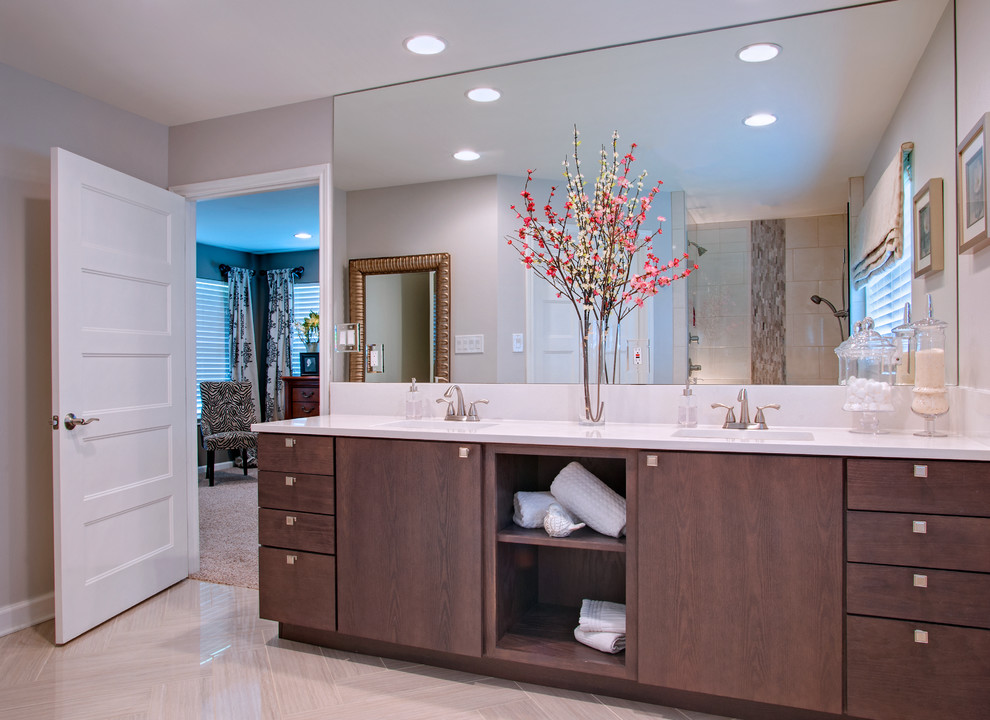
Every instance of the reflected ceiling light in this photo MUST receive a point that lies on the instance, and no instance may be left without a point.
(303, 236)
(760, 119)
(466, 155)
(425, 44)
(758, 52)
(484, 94)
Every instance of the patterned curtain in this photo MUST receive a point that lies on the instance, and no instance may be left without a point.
(243, 354)
(279, 341)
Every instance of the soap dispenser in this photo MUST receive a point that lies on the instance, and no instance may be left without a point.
(414, 403)
(687, 411)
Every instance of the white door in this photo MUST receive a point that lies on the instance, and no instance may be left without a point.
(118, 354)
(555, 337)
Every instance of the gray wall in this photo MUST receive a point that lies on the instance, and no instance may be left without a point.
(34, 116)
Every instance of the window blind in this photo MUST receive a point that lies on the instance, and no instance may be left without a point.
(305, 298)
(212, 334)
(887, 291)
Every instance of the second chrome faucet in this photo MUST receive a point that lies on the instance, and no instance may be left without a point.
(458, 413)
(744, 422)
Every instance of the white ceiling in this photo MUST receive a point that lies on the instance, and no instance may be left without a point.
(179, 61)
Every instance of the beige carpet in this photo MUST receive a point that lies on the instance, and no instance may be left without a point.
(228, 529)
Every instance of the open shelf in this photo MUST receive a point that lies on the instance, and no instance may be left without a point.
(585, 538)
(545, 635)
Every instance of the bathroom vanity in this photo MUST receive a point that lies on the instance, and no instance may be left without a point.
(762, 578)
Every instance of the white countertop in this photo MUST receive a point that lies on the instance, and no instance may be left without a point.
(638, 436)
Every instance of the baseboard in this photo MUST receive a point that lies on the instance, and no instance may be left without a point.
(27, 613)
(217, 466)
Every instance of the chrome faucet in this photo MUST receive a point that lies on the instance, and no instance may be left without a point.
(743, 400)
(459, 413)
(744, 422)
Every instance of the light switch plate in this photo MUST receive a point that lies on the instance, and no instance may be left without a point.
(517, 342)
(469, 344)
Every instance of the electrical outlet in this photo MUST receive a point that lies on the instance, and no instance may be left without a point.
(517, 342)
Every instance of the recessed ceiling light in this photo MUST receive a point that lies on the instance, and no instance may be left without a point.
(303, 236)
(484, 94)
(758, 52)
(466, 155)
(760, 120)
(425, 44)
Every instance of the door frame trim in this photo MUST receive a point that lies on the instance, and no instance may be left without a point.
(319, 175)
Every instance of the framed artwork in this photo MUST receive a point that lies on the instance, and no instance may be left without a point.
(309, 363)
(929, 224)
(971, 181)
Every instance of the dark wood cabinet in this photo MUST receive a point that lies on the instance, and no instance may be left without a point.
(297, 567)
(409, 567)
(918, 589)
(302, 396)
(740, 576)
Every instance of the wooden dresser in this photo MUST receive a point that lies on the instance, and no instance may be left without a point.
(302, 395)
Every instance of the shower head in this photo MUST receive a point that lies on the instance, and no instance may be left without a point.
(818, 300)
(701, 250)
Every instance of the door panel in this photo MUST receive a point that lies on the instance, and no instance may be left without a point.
(119, 355)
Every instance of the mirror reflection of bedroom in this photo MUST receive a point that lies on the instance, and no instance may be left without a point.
(257, 344)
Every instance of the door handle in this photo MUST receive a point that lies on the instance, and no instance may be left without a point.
(71, 421)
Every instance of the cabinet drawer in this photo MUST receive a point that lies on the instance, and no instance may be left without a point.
(297, 588)
(297, 530)
(312, 454)
(940, 596)
(948, 488)
(305, 409)
(948, 543)
(306, 395)
(891, 676)
(296, 491)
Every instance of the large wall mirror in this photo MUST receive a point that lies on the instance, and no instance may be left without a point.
(402, 306)
(848, 87)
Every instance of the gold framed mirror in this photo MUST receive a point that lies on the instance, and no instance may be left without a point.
(358, 272)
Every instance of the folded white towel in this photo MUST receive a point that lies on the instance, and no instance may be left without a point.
(590, 499)
(602, 616)
(604, 641)
(531, 508)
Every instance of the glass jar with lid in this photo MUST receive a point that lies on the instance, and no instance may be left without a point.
(929, 398)
(904, 342)
(867, 368)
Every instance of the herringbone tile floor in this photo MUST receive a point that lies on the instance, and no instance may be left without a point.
(199, 650)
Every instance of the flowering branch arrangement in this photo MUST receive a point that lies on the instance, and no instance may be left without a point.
(586, 251)
(309, 328)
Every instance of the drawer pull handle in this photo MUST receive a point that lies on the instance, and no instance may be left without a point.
(290, 559)
(463, 452)
(290, 520)
(652, 461)
(309, 393)
(920, 636)
(289, 480)
(920, 580)
(921, 471)
(290, 442)
(919, 526)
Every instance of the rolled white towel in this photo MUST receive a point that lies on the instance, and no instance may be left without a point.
(531, 508)
(602, 616)
(605, 641)
(590, 499)
(559, 523)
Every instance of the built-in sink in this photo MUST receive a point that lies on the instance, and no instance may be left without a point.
(437, 424)
(734, 434)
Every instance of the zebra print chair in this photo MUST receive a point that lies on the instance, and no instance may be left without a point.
(228, 412)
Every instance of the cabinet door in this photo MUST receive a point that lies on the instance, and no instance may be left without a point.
(409, 543)
(740, 576)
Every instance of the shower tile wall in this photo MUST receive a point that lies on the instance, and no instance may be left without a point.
(814, 253)
(719, 304)
(720, 309)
